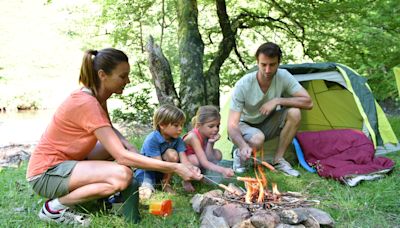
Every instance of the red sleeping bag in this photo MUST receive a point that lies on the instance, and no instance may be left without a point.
(341, 153)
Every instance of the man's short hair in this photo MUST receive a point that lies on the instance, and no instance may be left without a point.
(269, 49)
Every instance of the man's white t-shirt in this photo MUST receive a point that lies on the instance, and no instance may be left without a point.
(248, 97)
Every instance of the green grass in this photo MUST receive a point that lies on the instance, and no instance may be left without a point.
(395, 123)
(369, 204)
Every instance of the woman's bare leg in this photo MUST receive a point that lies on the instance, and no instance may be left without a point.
(99, 153)
(96, 179)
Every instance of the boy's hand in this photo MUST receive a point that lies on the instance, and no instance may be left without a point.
(188, 172)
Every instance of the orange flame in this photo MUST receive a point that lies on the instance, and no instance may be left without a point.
(275, 190)
(257, 187)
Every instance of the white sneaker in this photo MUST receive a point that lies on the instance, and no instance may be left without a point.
(286, 168)
(353, 181)
(145, 191)
(238, 165)
(65, 216)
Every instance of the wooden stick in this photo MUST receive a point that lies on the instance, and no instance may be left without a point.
(221, 186)
(247, 179)
(266, 164)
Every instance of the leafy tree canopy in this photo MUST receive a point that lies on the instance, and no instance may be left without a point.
(358, 33)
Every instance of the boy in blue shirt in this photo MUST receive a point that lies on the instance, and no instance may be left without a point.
(164, 143)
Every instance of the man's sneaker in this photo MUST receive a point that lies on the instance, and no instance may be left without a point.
(65, 216)
(238, 164)
(286, 168)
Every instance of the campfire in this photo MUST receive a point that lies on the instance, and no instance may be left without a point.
(260, 204)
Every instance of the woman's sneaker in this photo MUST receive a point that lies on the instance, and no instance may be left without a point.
(65, 216)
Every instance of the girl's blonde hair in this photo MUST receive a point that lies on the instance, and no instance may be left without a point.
(205, 114)
(168, 114)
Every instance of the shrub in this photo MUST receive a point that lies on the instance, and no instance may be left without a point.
(137, 108)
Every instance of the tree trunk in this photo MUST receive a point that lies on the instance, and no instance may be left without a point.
(191, 50)
(161, 75)
(225, 47)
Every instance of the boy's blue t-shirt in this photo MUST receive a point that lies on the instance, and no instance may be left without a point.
(155, 145)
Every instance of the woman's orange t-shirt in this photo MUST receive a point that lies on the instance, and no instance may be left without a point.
(70, 134)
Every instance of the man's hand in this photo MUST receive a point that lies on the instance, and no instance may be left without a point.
(268, 107)
(188, 172)
(245, 152)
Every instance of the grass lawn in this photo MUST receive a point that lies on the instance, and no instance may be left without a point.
(369, 204)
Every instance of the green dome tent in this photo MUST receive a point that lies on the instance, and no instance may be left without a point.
(342, 100)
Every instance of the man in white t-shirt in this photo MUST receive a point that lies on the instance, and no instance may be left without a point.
(265, 104)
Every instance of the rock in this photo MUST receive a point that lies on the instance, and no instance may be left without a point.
(311, 222)
(232, 213)
(208, 219)
(293, 216)
(281, 225)
(214, 193)
(323, 218)
(212, 198)
(244, 224)
(263, 219)
(234, 188)
(196, 202)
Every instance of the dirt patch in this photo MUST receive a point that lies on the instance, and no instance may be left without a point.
(13, 155)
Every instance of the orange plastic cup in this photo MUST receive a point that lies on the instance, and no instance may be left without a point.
(161, 208)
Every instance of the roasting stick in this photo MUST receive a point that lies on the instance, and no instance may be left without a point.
(220, 185)
(248, 179)
(266, 164)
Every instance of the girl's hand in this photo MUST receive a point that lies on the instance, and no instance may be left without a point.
(228, 172)
(214, 138)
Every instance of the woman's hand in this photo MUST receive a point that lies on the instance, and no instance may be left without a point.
(188, 171)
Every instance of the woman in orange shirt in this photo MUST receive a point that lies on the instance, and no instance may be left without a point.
(81, 157)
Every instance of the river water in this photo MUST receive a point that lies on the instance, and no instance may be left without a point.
(24, 127)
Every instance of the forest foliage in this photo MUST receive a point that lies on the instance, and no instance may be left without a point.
(363, 38)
